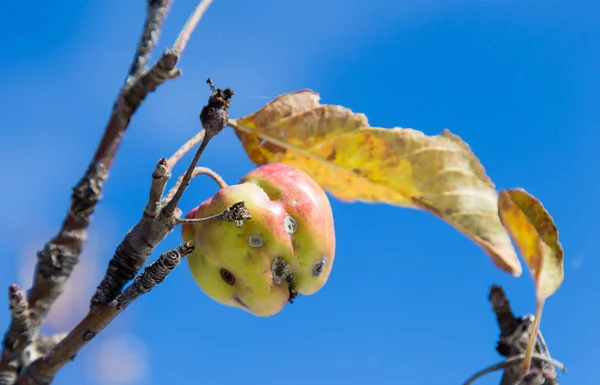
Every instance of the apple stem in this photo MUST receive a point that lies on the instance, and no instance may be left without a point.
(532, 338)
(197, 171)
(187, 146)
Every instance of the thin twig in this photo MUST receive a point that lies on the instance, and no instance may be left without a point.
(176, 157)
(153, 274)
(42, 371)
(512, 361)
(190, 25)
(156, 11)
(197, 171)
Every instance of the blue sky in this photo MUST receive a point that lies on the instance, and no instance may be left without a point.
(517, 80)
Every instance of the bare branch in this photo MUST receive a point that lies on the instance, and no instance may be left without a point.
(176, 157)
(156, 12)
(43, 370)
(135, 248)
(60, 255)
(190, 25)
(139, 242)
(153, 274)
(18, 336)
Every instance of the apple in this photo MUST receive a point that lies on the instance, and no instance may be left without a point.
(287, 248)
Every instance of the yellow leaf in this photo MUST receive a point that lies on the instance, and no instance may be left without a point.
(533, 231)
(398, 166)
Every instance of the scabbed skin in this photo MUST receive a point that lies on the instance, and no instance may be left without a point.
(273, 193)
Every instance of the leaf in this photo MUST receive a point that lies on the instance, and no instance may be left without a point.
(398, 166)
(533, 231)
(536, 236)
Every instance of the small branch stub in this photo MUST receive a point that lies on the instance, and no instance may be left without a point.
(18, 336)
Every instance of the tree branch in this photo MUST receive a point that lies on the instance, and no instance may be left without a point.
(190, 25)
(156, 12)
(141, 240)
(153, 274)
(159, 216)
(43, 370)
(60, 255)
